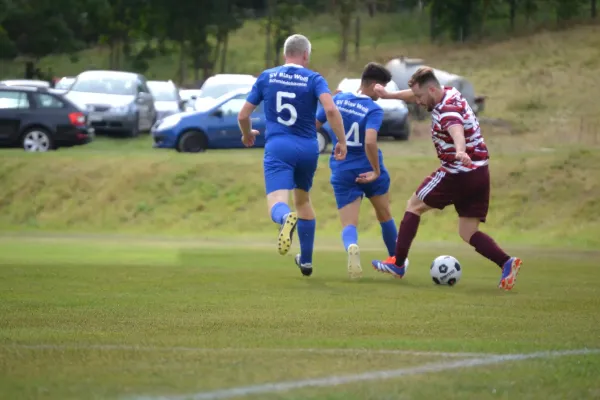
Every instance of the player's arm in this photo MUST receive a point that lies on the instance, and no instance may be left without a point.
(374, 121)
(406, 95)
(457, 131)
(321, 117)
(252, 101)
(244, 118)
(372, 150)
(334, 117)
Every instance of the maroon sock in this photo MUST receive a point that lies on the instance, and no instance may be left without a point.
(406, 234)
(486, 246)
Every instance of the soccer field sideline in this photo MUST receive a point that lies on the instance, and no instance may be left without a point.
(458, 360)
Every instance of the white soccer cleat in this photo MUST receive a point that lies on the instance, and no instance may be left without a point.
(354, 268)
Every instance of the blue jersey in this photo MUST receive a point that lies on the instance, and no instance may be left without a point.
(359, 113)
(291, 95)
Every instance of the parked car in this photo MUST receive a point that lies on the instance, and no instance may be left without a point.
(117, 102)
(39, 119)
(218, 85)
(395, 112)
(189, 96)
(214, 128)
(64, 83)
(26, 82)
(166, 98)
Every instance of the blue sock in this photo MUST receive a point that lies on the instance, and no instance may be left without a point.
(279, 211)
(306, 234)
(349, 236)
(390, 234)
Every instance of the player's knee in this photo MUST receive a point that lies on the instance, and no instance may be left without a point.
(416, 205)
(383, 214)
(466, 231)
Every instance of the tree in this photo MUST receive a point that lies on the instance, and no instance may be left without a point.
(593, 10)
(345, 10)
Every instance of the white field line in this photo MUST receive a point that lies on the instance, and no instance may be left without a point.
(119, 347)
(368, 376)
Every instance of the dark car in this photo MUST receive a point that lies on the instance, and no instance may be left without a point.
(39, 119)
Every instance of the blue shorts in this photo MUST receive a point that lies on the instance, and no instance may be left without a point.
(290, 163)
(346, 190)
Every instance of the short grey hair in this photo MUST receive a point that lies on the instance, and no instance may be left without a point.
(296, 45)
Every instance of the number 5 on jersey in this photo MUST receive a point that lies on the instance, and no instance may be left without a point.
(353, 136)
(286, 106)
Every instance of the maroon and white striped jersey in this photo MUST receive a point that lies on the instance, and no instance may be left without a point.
(455, 110)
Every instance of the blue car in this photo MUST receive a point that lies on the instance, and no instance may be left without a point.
(214, 127)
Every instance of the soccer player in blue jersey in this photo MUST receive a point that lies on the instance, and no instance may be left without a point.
(291, 93)
(362, 172)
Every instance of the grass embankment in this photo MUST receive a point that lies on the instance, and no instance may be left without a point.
(539, 198)
(545, 165)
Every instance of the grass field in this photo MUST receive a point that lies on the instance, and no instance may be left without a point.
(117, 319)
(133, 273)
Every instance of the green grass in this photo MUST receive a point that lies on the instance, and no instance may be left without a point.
(542, 198)
(184, 309)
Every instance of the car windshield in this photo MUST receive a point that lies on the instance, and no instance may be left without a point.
(104, 84)
(217, 90)
(64, 83)
(163, 91)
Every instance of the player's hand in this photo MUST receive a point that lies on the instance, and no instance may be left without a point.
(337, 91)
(367, 177)
(463, 158)
(249, 140)
(340, 151)
(380, 91)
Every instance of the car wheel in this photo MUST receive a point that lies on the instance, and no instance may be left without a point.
(37, 140)
(323, 142)
(135, 130)
(192, 142)
(405, 133)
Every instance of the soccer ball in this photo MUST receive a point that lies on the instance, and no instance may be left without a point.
(445, 270)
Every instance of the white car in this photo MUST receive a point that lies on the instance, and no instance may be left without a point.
(166, 98)
(220, 84)
(395, 118)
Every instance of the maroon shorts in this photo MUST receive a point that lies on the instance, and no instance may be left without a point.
(468, 191)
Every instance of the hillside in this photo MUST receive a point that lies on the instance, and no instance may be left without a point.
(545, 160)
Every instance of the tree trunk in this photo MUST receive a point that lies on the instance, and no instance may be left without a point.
(182, 66)
(593, 10)
(268, 47)
(512, 13)
(224, 52)
(345, 21)
(357, 38)
(433, 20)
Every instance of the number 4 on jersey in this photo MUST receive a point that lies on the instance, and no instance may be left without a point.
(353, 136)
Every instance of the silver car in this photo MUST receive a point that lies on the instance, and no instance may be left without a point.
(116, 102)
(166, 98)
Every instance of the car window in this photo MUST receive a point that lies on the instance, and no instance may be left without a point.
(233, 106)
(47, 101)
(12, 100)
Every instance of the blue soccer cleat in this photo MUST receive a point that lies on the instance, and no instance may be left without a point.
(509, 273)
(389, 267)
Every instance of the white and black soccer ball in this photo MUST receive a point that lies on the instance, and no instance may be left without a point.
(445, 270)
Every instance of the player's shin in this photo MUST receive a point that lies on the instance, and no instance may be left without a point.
(487, 247)
(306, 235)
(349, 236)
(389, 234)
(406, 234)
(279, 212)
